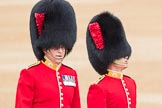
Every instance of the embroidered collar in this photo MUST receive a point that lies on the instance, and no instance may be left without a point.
(115, 74)
(51, 65)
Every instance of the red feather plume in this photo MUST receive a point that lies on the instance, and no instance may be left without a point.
(39, 21)
(96, 35)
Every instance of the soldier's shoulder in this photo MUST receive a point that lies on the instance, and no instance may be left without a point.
(68, 67)
(128, 77)
(99, 79)
(33, 65)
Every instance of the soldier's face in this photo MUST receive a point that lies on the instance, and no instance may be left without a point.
(56, 55)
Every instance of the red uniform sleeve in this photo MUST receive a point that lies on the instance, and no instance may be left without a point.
(96, 97)
(25, 90)
(76, 98)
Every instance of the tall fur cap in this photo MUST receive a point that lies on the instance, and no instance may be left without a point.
(114, 40)
(59, 27)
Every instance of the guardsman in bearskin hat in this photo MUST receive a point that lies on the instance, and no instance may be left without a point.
(108, 52)
(49, 83)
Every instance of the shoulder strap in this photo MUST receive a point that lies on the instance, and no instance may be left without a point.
(101, 78)
(34, 64)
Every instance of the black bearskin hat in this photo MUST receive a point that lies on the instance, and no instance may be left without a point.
(52, 24)
(106, 41)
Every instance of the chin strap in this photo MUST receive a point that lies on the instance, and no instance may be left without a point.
(120, 63)
(49, 53)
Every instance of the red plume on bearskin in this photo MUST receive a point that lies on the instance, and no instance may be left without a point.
(96, 34)
(39, 21)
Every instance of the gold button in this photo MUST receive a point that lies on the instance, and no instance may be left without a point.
(62, 105)
(60, 83)
(60, 87)
(62, 98)
(59, 77)
(129, 103)
(114, 74)
(123, 81)
(126, 89)
(129, 99)
(124, 84)
(61, 94)
(57, 73)
(127, 93)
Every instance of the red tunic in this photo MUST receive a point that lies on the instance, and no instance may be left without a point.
(43, 86)
(114, 90)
